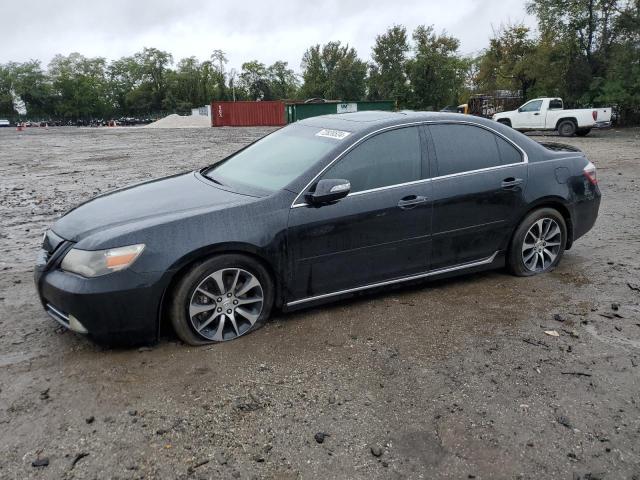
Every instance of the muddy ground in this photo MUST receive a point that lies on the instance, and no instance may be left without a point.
(449, 379)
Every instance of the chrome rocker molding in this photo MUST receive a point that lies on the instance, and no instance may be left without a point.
(431, 273)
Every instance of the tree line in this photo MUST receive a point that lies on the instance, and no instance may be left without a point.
(586, 51)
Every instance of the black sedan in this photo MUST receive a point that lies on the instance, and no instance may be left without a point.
(316, 211)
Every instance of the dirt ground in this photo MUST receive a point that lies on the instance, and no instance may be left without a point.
(448, 379)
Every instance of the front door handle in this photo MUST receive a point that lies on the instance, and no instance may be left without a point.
(511, 182)
(411, 201)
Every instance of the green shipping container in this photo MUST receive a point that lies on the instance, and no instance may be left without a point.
(300, 111)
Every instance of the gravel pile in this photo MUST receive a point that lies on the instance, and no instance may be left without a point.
(178, 121)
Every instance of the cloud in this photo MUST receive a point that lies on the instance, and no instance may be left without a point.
(266, 31)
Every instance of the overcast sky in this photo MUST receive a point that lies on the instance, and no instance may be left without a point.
(250, 29)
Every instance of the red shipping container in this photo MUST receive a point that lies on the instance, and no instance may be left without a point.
(247, 114)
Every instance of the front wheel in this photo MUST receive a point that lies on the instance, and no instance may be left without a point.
(538, 243)
(221, 299)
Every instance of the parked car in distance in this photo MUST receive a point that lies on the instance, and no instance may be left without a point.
(319, 210)
(4, 122)
(549, 114)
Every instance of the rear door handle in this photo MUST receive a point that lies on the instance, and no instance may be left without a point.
(411, 201)
(511, 182)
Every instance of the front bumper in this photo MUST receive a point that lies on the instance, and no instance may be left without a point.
(119, 308)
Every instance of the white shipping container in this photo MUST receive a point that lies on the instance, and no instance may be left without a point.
(201, 111)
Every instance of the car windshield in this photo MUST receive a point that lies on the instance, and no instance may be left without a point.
(274, 161)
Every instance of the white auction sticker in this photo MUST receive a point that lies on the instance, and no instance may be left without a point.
(335, 134)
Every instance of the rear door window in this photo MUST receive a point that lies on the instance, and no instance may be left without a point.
(389, 158)
(463, 148)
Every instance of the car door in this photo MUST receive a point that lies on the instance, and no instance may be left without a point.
(381, 230)
(479, 178)
(529, 116)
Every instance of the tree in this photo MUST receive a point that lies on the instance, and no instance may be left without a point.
(507, 63)
(219, 60)
(153, 65)
(283, 81)
(388, 71)
(79, 86)
(620, 85)
(123, 76)
(255, 81)
(333, 71)
(436, 73)
(28, 82)
(590, 22)
(592, 34)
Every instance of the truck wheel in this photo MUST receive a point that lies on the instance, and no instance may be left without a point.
(567, 128)
(583, 133)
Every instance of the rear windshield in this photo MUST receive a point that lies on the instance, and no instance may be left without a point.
(277, 159)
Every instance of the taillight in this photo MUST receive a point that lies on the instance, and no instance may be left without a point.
(590, 172)
(594, 114)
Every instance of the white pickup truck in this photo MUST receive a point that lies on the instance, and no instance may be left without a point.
(549, 114)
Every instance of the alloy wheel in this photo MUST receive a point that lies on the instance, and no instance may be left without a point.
(226, 304)
(541, 245)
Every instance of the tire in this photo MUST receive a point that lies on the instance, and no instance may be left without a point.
(547, 251)
(505, 122)
(209, 303)
(583, 133)
(567, 128)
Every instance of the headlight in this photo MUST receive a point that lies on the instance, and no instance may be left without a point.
(93, 263)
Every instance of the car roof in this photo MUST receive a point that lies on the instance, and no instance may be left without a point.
(364, 123)
(373, 120)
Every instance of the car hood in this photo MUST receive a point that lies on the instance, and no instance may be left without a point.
(179, 195)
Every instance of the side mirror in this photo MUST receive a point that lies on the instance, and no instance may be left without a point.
(520, 110)
(328, 191)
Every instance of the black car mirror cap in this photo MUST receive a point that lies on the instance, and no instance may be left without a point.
(329, 190)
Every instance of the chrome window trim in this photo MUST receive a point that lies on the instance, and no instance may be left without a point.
(431, 273)
(362, 192)
(525, 158)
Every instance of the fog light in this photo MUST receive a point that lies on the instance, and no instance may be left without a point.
(76, 326)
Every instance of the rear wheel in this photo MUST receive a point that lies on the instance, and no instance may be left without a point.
(538, 243)
(221, 299)
(567, 128)
(583, 132)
